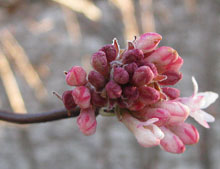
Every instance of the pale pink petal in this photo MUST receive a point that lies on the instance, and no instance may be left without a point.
(171, 142)
(186, 132)
(207, 99)
(146, 136)
(148, 122)
(195, 85)
(199, 117)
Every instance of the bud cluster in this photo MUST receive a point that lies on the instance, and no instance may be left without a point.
(133, 83)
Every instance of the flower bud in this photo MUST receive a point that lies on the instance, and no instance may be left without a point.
(148, 41)
(171, 142)
(148, 95)
(134, 55)
(130, 68)
(186, 132)
(120, 75)
(171, 92)
(172, 78)
(76, 76)
(152, 67)
(162, 115)
(96, 79)
(113, 90)
(143, 75)
(68, 100)
(130, 93)
(82, 96)
(164, 57)
(110, 52)
(177, 110)
(97, 100)
(86, 121)
(100, 63)
(175, 66)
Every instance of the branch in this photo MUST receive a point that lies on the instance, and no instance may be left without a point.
(37, 117)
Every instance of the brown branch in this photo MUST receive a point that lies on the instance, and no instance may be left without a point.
(30, 118)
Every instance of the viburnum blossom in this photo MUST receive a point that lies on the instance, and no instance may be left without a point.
(134, 84)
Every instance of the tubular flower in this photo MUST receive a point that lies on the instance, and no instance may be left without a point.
(132, 84)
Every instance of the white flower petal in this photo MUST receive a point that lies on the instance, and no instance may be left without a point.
(199, 117)
(207, 117)
(157, 132)
(208, 99)
(195, 85)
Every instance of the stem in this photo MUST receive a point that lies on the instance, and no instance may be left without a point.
(37, 117)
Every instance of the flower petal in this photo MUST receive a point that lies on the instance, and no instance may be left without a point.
(202, 117)
(195, 85)
(207, 99)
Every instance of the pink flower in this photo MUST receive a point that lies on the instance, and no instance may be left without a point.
(199, 101)
(86, 121)
(146, 133)
(148, 41)
(76, 76)
(82, 97)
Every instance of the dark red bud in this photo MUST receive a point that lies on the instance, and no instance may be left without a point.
(110, 52)
(148, 95)
(96, 79)
(134, 55)
(68, 100)
(130, 92)
(172, 78)
(97, 100)
(143, 75)
(113, 90)
(120, 75)
(100, 63)
(171, 92)
(130, 68)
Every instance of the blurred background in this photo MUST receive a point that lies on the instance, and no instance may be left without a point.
(39, 39)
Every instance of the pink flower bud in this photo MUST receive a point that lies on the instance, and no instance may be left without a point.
(97, 100)
(110, 52)
(100, 63)
(162, 115)
(86, 121)
(177, 110)
(171, 142)
(130, 93)
(134, 55)
(97, 79)
(148, 95)
(120, 75)
(76, 76)
(175, 66)
(172, 78)
(152, 67)
(68, 100)
(186, 132)
(82, 96)
(113, 90)
(171, 92)
(130, 68)
(164, 57)
(143, 75)
(148, 41)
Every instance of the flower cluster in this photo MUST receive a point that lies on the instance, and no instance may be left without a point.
(133, 85)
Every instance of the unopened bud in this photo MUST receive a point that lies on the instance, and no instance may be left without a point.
(134, 55)
(110, 52)
(148, 41)
(68, 100)
(120, 75)
(137, 105)
(130, 68)
(113, 90)
(171, 92)
(76, 76)
(148, 95)
(97, 100)
(143, 75)
(96, 79)
(130, 92)
(86, 121)
(172, 78)
(82, 97)
(100, 63)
